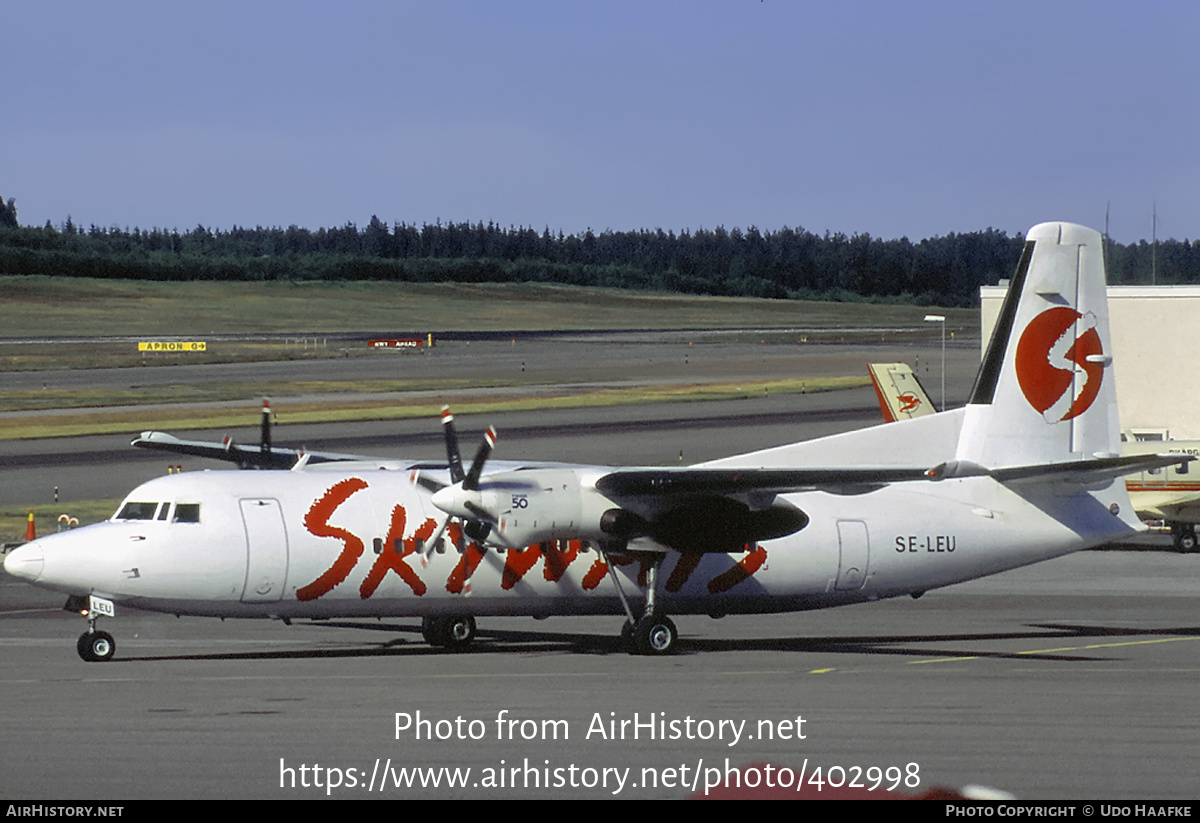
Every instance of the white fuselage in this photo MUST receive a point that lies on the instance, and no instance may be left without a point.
(322, 544)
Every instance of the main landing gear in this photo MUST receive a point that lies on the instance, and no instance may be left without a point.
(653, 633)
(450, 631)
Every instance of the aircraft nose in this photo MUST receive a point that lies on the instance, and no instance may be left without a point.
(25, 562)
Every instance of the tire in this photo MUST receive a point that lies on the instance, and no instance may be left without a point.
(448, 631)
(626, 640)
(655, 634)
(96, 647)
(459, 631)
(432, 629)
(1187, 540)
(1183, 537)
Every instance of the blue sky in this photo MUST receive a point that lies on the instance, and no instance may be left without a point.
(891, 118)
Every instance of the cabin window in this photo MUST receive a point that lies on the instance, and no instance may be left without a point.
(137, 511)
(187, 513)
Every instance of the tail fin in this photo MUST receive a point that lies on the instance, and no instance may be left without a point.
(1045, 391)
(901, 395)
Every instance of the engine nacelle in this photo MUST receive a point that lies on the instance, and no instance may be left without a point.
(538, 505)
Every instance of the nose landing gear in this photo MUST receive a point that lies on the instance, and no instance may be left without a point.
(93, 646)
(96, 646)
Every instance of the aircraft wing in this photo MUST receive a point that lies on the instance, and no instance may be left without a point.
(1089, 472)
(724, 509)
(245, 456)
(666, 482)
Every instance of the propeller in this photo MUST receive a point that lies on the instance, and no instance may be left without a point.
(265, 442)
(460, 498)
(262, 459)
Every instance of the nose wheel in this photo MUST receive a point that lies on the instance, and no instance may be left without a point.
(96, 646)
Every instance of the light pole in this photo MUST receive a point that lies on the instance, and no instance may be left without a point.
(941, 318)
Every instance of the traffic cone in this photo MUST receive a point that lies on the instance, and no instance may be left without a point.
(30, 531)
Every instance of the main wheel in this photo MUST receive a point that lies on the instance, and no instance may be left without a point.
(433, 630)
(96, 646)
(450, 631)
(654, 634)
(459, 631)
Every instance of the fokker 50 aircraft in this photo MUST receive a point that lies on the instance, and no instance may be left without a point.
(1028, 470)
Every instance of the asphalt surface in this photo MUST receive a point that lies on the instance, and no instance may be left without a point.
(1072, 679)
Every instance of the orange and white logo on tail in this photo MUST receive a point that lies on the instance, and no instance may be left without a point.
(1053, 366)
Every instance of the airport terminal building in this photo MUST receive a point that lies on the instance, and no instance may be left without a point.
(1158, 373)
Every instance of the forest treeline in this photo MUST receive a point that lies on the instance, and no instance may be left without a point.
(787, 263)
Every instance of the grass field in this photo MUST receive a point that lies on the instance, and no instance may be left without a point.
(53, 307)
(36, 310)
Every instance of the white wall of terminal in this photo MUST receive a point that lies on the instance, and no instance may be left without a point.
(1156, 355)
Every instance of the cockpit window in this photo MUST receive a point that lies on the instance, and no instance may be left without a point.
(137, 511)
(187, 512)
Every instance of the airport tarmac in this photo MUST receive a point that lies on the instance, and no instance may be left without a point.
(1072, 679)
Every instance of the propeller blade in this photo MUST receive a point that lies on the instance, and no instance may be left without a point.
(433, 541)
(480, 512)
(426, 482)
(265, 443)
(453, 457)
(471, 481)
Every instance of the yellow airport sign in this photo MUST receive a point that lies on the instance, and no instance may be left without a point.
(171, 345)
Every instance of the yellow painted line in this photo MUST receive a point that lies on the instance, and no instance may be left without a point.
(821, 671)
(1112, 645)
(1061, 649)
(1141, 642)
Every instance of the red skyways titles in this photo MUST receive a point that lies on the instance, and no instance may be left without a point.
(397, 550)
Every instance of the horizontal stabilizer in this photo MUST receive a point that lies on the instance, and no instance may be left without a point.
(901, 395)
